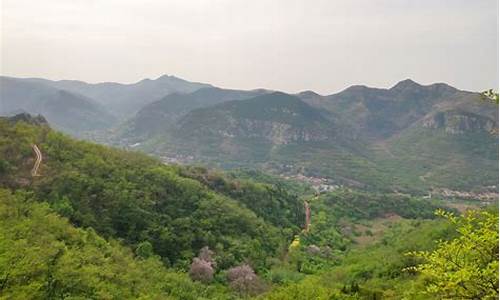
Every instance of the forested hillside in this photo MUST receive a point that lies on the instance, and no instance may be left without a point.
(100, 223)
(136, 198)
(42, 256)
(407, 138)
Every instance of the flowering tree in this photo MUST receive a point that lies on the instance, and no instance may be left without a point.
(203, 267)
(244, 280)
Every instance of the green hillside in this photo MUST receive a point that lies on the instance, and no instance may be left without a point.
(137, 199)
(101, 223)
(407, 138)
(42, 256)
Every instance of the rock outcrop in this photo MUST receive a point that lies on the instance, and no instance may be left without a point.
(457, 122)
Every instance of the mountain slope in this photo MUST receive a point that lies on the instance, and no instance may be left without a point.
(379, 113)
(72, 113)
(137, 217)
(160, 115)
(127, 99)
(42, 256)
(248, 129)
(409, 137)
(137, 199)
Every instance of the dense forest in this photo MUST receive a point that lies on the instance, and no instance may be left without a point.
(103, 223)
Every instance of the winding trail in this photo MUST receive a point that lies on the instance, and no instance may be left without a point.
(39, 157)
(308, 216)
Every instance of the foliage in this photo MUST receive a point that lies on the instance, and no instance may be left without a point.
(43, 257)
(271, 202)
(467, 266)
(373, 272)
(135, 198)
(130, 217)
(362, 205)
(490, 95)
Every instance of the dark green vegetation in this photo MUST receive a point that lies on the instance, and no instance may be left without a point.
(42, 256)
(137, 199)
(408, 138)
(101, 223)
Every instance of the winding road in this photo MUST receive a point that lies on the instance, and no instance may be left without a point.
(34, 171)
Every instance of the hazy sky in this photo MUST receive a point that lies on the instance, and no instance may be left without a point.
(322, 45)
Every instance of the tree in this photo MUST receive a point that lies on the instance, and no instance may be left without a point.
(467, 266)
(244, 280)
(201, 270)
(144, 250)
(490, 95)
(202, 267)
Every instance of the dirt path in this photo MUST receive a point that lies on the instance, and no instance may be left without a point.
(308, 216)
(34, 171)
(307, 209)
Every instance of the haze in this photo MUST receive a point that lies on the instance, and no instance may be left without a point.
(285, 45)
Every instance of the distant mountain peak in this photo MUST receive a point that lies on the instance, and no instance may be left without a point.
(405, 84)
(308, 93)
(166, 76)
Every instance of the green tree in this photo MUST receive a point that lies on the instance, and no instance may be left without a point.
(490, 95)
(467, 266)
(144, 250)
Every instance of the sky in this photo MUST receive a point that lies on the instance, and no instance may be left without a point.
(288, 45)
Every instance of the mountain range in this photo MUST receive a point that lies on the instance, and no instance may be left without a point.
(410, 137)
(121, 100)
(65, 110)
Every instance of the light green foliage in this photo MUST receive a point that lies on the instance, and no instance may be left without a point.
(306, 289)
(374, 272)
(467, 266)
(490, 95)
(43, 257)
(163, 215)
(137, 199)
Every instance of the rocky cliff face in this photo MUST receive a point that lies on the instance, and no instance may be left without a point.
(456, 122)
(274, 132)
(276, 119)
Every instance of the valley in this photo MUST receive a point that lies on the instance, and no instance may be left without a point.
(428, 132)
(249, 150)
(281, 188)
